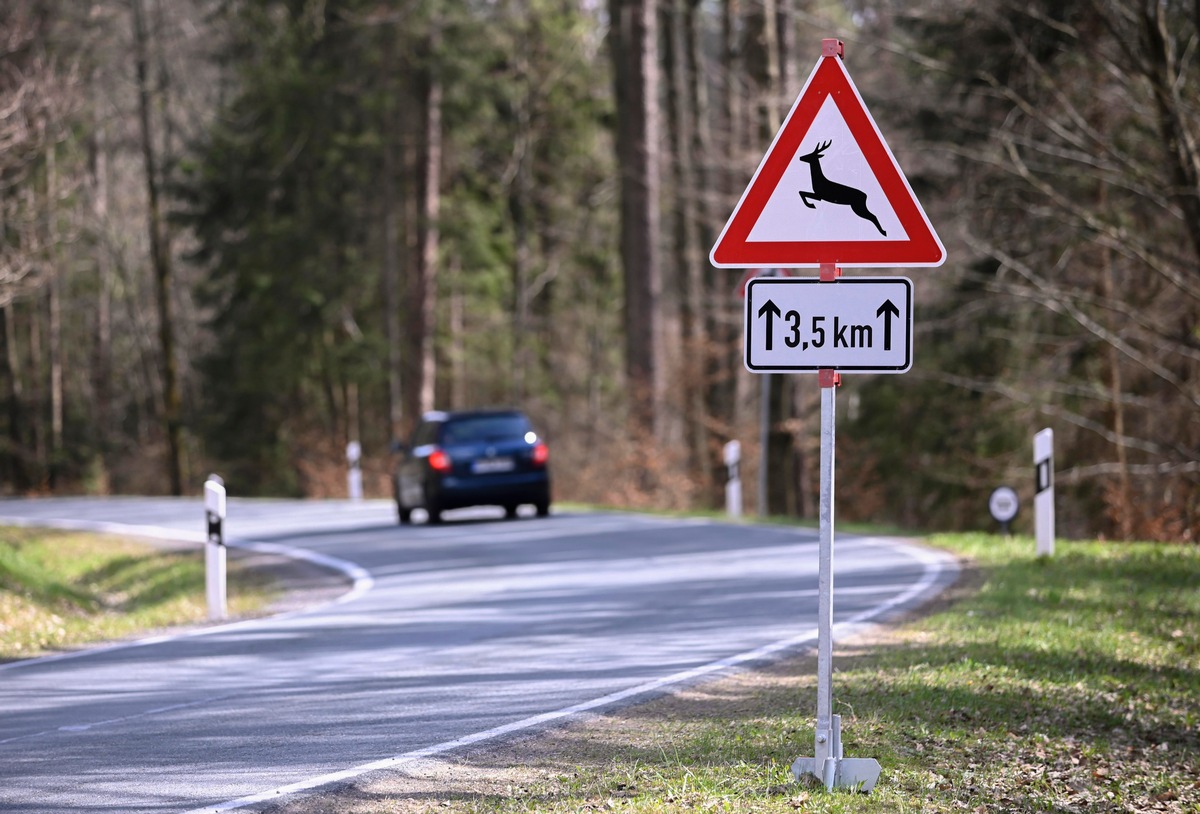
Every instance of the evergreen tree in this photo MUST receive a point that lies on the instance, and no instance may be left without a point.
(276, 199)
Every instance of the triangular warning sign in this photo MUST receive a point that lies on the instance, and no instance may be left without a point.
(828, 191)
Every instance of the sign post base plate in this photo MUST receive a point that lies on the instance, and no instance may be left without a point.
(859, 774)
(836, 771)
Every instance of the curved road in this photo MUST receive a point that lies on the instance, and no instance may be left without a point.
(454, 634)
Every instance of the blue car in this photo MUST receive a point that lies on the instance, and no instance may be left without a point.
(477, 458)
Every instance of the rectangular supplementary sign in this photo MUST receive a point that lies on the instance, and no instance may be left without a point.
(852, 324)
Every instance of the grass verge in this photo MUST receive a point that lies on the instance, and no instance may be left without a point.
(60, 589)
(1062, 685)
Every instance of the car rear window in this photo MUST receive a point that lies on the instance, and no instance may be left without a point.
(484, 428)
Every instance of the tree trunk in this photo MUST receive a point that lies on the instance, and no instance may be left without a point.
(735, 388)
(519, 208)
(458, 351)
(53, 275)
(56, 376)
(37, 393)
(782, 457)
(160, 259)
(633, 41)
(423, 317)
(712, 290)
(102, 360)
(391, 239)
(689, 259)
(12, 461)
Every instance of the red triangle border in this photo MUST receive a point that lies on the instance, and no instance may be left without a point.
(829, 79)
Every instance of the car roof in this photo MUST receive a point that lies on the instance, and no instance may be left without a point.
(453, 415)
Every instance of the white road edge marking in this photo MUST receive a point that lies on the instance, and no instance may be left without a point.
(360, 579)
(935, 562)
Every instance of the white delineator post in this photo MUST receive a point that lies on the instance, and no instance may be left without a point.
(354, 480)
(214, 549)
(733, 486)
(1043, 499)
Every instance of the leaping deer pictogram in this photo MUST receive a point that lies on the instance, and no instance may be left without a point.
(833, 192)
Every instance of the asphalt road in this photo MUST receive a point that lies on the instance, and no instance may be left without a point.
(452, 635)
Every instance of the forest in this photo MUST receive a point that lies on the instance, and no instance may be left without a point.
(237, 235)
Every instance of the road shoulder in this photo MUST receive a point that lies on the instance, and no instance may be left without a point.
(545, 765)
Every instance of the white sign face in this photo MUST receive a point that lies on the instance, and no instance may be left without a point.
(852, 325)
(828, 154)
(1003, 504)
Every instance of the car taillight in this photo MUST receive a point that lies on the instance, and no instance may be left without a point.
(541, 454)
(439, 461)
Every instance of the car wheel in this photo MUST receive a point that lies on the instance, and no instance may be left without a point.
(543, 509)
(510, 511)
(432, 508)
(404, 514)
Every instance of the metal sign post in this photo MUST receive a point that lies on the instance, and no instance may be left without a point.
(828, 764)
(828, 192)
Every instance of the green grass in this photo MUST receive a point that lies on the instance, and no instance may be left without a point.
(1063, 685)
(63, 589)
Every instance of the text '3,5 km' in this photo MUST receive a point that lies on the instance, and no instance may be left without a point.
(845, 335)
(858, 324)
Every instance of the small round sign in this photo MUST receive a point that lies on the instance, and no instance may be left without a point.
(1003, 504)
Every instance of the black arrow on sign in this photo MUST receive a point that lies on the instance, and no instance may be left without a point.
(887, 311)
(770, 310)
